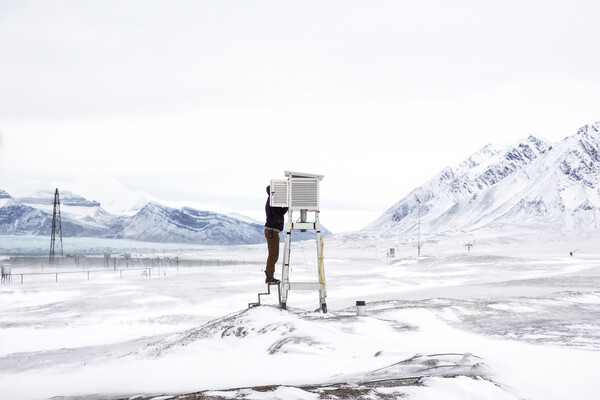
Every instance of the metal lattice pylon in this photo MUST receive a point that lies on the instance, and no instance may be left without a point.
(56, 225)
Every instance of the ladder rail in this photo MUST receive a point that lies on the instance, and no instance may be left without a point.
(286, 284)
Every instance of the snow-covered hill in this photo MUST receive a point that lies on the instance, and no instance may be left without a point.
(533, 185)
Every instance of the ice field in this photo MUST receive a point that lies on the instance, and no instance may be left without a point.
(503, 321)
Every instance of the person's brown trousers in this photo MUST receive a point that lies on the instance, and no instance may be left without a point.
(273, 246)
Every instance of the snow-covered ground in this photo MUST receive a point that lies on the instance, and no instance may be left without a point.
(499, 322)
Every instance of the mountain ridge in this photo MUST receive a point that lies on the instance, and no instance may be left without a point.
(154, 222)
(532, 184)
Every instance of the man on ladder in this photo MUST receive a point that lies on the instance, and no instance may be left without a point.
(273, 226)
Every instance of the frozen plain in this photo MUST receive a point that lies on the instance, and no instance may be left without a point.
(503, 321)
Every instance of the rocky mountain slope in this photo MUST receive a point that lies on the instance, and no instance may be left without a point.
(532, 185)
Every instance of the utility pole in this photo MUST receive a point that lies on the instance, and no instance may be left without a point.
(56, 223)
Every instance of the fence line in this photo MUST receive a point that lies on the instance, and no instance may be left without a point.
(147, 272)
(146, 265)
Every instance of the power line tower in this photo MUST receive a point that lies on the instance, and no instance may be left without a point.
(56, 224)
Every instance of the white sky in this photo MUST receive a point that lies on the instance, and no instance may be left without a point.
(203, 102)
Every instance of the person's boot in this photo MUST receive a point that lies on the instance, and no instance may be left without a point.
(271, 280)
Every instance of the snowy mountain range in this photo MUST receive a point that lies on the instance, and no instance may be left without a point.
(154, 222)
(533, 185)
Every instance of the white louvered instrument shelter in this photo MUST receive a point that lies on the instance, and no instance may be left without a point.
(299, 192)
(279, 193)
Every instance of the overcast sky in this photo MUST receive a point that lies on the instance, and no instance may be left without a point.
(203, 102)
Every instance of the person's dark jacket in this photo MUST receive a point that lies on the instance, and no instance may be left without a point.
(275, 215)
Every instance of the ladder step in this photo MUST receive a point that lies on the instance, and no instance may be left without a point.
(305, 285)
(268, 292)
(304, 226)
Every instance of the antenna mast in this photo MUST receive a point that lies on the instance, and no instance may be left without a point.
(56, 222)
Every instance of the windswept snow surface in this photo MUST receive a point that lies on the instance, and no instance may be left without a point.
(499, 322)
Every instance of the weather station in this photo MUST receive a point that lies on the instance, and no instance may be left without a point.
(300, 193)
